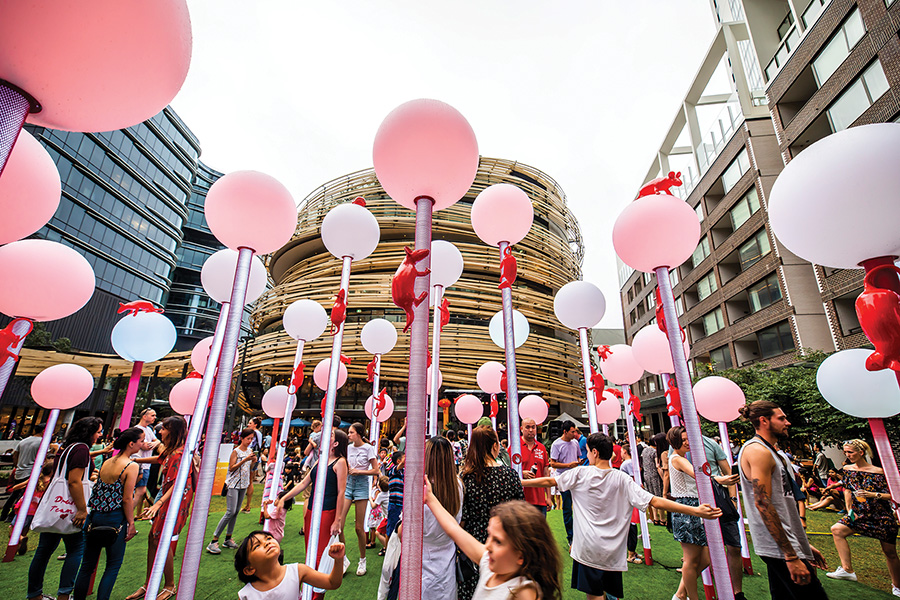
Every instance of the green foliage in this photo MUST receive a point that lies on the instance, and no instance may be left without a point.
(39, 337)
(794, 389)
(63, 344)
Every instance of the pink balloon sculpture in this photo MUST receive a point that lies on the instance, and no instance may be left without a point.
(656, 231)
(275, 401)
(62, 386)
(410, 164)
(718, 399)
(488, 377)
(29, 190)
(468, 409)
(651, 350)
(43, 280)
(609, 410)
(533, 407)
(98, 65)
(183, 395)
(200, 355)
(385, 413)
(320, 374)
(249, 209)
(502, 213)
(620, 367)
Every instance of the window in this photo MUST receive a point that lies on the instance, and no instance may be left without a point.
(679, 306)
(673, 277)
(744, 208)
(651, 302)
(838, 47)
(734, 171)
(647, 278)
(706, 286)
(720, 358)
(764, 293)
(775, 340)
(785, 26)
(713, 321)
(861, 94)
(699, 210)
(700, 253)
(754, 249)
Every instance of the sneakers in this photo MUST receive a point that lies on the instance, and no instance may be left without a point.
(346, 564)
(213, 548)
(229, 543)
(361, 569)
(840, 573)
(895, 590)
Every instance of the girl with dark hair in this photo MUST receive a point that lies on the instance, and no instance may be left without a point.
(335, 486)
(173, 435)
(76, 447)
(111, 522)
(662, 461)
(438, 548)
(520, 559)
(487, 483)
(653, 480)
(237, 481)
(362, 464)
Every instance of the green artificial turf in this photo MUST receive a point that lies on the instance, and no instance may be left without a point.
(218, 579)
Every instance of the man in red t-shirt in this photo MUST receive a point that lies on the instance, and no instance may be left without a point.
(535, 463)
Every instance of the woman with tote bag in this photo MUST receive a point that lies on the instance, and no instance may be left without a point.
(75, 465)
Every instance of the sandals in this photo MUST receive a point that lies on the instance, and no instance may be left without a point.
(140, 593)
(166, 594)
(635, 560)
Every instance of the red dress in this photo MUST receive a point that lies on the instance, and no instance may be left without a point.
(169, 469)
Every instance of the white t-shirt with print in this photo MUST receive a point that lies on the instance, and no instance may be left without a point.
(358, 457)
(602, 502)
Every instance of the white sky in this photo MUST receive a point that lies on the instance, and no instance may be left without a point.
(582, 90)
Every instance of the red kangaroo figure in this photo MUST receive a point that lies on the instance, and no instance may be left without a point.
(661, 185)
(635, 403)
(380, 401)
(445, 312)
(137, 306)
(508, 269)
(616, 393)
(370, 369)
(661, 317)
(429, 361)
(346, 359)
(360, 201)
(7, 339)
(297, 377)
(603, 352)
(194, 375)
(878, 310)
(503, 381)
(338, 310)
(674, 398)
(495, 407)
(402, 285)
(598, 385)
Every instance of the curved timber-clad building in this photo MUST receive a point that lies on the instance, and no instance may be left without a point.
(549, 257)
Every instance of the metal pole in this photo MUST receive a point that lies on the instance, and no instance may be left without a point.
(888, 462)
(197, 529)
(20, 327)
(718, 562)
(437, 293)
(745, 548)
(375, 428)
(187, 458)
(591, 404)
(636, 469)
(237, 384)
(414, 479)
(512, 385)
(33, 478)
(133, 383)
(318, 496)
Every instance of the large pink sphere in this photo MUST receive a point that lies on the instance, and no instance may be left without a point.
(718, 399)
(651, 350)
(533, 407)
(502, 213)
(608, 411)
(275, 401)
(488, 377)
(425, 148)
(43, 280)
(385, 412)
(95, 65)
(183, 395)
(468, 409)
(249, 209)
(656, 231)
(200, 354)
(29, 189)
(620, 367)
(62, 386)
(320, 374)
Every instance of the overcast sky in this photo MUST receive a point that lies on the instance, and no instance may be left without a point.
(582, 90)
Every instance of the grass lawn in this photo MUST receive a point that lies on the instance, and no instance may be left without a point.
(218, 578)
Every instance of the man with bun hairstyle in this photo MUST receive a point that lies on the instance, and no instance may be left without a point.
(769, 485)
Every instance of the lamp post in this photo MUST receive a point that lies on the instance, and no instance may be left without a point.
(446, 268)
(426, 158)
(378, 337)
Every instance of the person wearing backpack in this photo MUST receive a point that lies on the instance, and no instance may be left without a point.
(75, 453)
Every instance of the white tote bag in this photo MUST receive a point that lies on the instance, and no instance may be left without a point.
(54, 513)
(326, 563)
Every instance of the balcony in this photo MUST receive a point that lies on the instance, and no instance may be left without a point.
(719, 133)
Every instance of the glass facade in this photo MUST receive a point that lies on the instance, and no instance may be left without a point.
(859, 96)
(721, 358)
(775, 340)
(764, 293)
(744, 209)
(838, 47)
(735, 170)
(706, 286)
(754, 249)
(700, 253)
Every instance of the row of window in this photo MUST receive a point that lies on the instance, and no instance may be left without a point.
(760, 295)
(769, 342)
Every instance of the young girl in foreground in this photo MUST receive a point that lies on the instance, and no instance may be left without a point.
(259, 564)
(520, 559)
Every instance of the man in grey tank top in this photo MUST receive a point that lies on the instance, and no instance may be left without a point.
(768, 484)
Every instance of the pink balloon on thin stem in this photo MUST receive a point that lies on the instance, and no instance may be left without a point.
(488, 377)
(320, 374)
(656, 231)
(620, 367)
(29, 190)
(385, 413)
(183, 395)
(609, 410)
(468, 409)
(651, 350)
(533, 407)
(502, 213)
(718, 399)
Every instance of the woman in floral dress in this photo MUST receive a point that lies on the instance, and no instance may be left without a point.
(872, 514)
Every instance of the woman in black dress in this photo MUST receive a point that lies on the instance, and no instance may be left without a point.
(487, 483)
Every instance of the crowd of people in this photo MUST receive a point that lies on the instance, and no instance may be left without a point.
(485, 528)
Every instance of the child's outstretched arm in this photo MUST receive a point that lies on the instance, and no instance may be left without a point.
(294, 491)
(543, 482)
(321, 580)
(704, 511)
(468, 544)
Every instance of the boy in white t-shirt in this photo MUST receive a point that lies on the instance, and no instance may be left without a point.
(602, 501)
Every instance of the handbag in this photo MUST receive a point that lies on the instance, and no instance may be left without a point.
(326, 562)
(102, 535)
(723, 501)
(54, 513)
(466, 568)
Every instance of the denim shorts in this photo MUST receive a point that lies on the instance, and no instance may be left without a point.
(357, 488)
(143, 479)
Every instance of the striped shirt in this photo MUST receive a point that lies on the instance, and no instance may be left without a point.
(395, 485)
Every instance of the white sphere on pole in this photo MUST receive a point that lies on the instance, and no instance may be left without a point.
(275, 401)
(305, 320)
(521, 329)
(217, 276)
(378, 336)
(350, 230)
(446, 263)
(579, 304)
